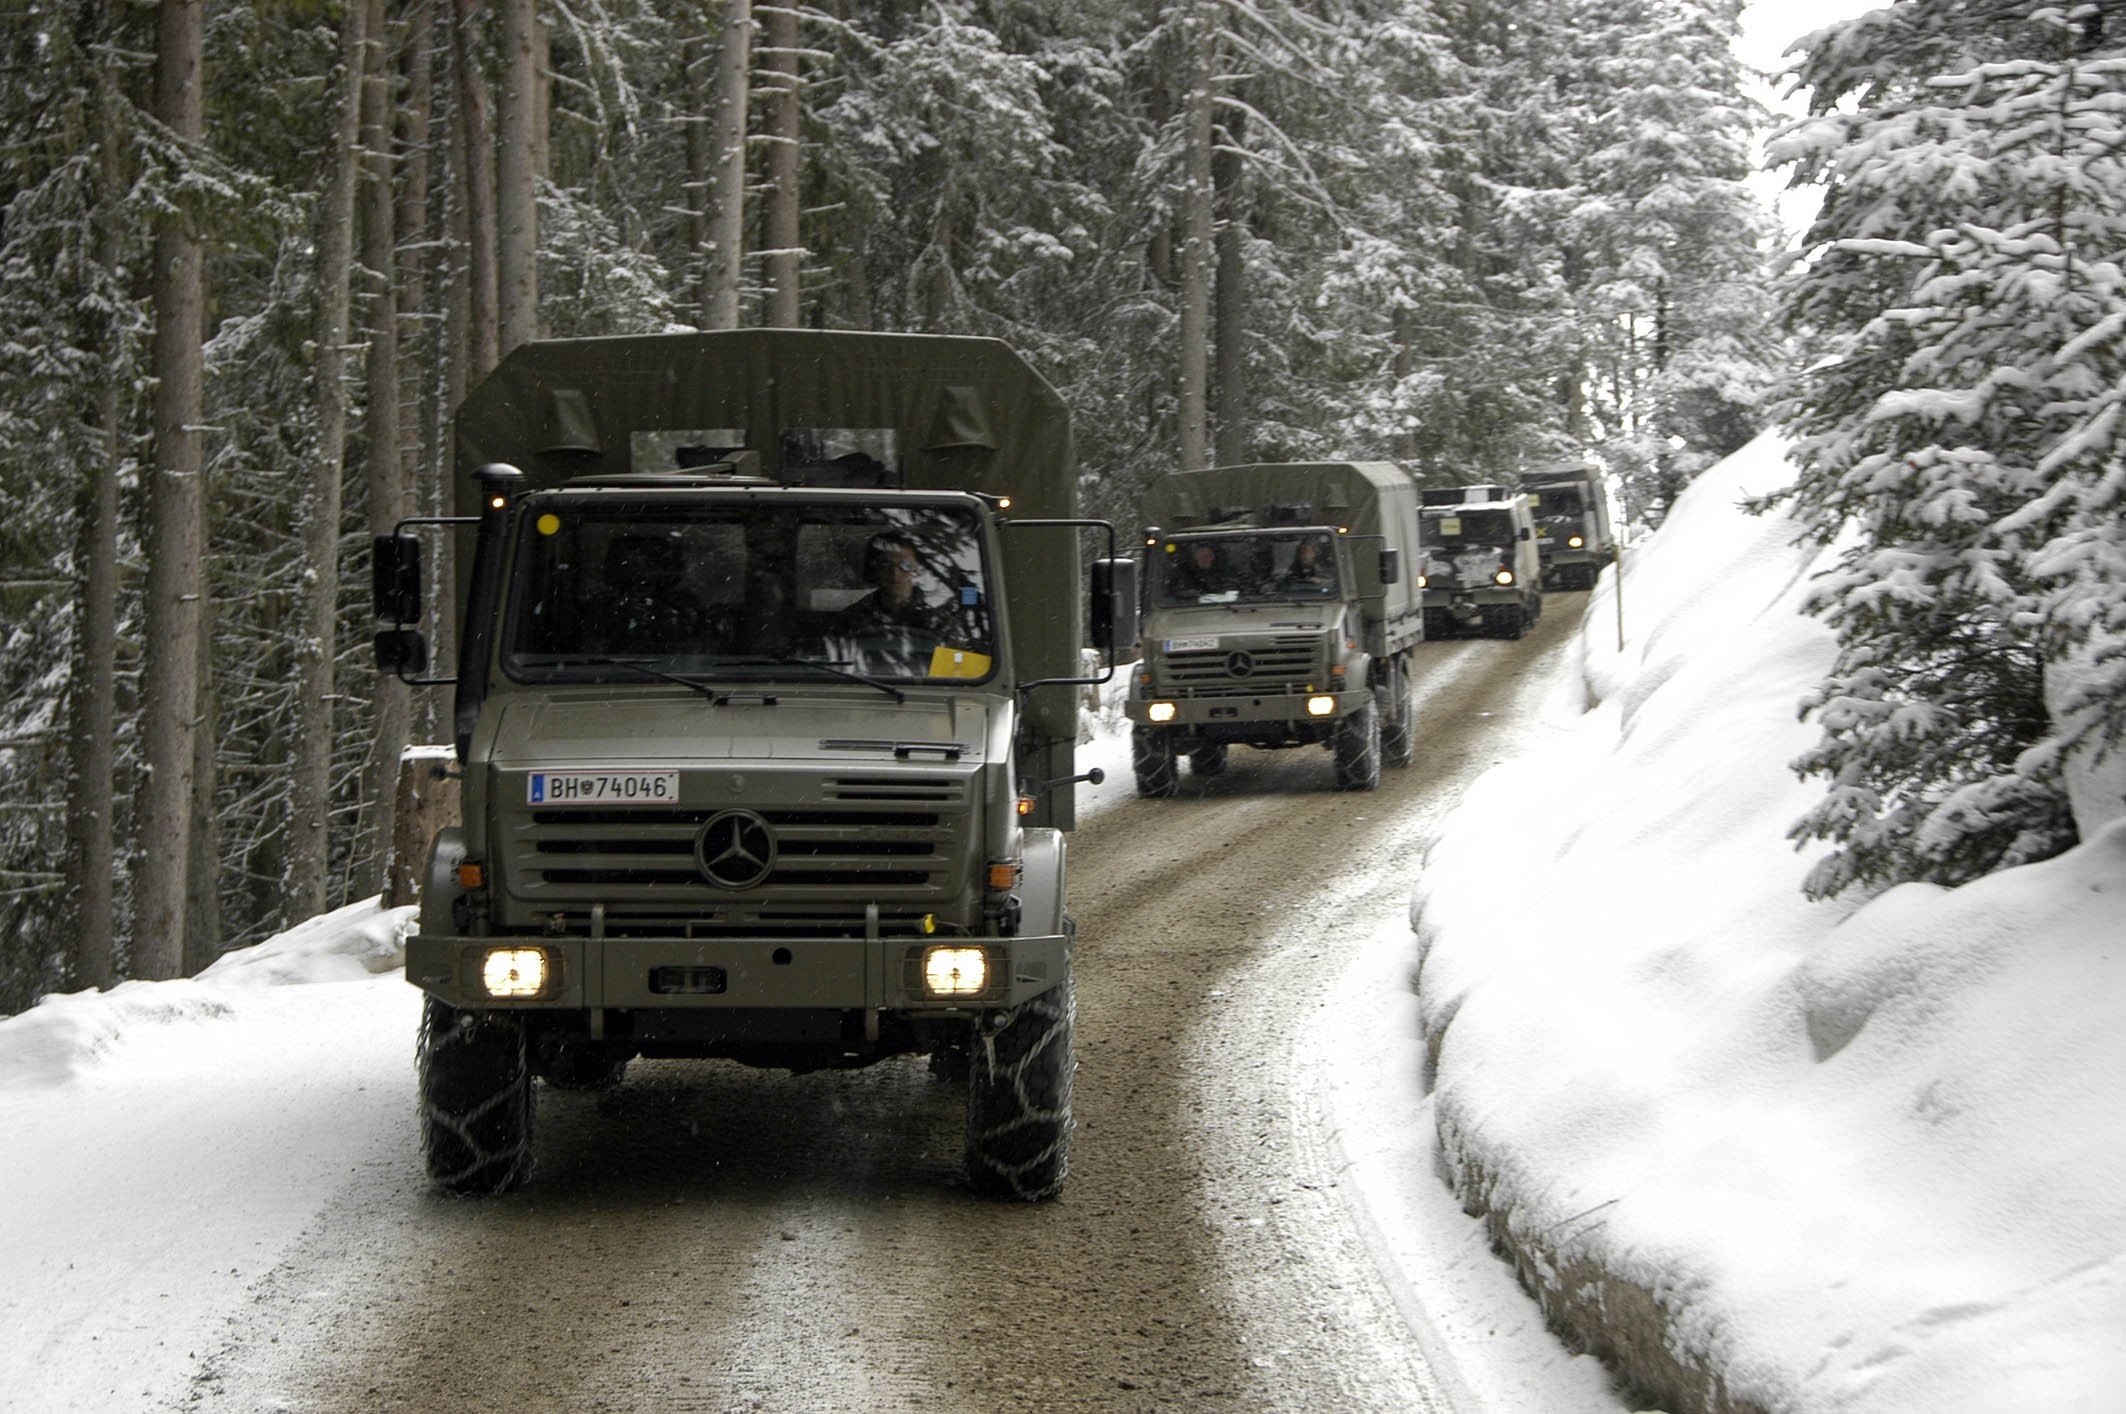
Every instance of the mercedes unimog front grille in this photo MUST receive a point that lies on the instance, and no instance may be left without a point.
(802, 868)
(1284, 664)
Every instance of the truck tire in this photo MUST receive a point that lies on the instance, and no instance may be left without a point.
(1018, 1098)
(476, 1099)
(1208, 760)
(1398, 723)
(1151, 755)
(1357, 746)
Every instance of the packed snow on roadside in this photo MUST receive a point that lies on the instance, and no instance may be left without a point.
(1868, 1156)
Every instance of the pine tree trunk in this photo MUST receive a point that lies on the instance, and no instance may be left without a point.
(1229, 312)
(202, 933)
(389, 500)
(1195, 255)
(176, 580)
(310, 792)
(783, 259)
(516, 177)
(426, 455)
(93, 705)
(476, 176)
(725, 194)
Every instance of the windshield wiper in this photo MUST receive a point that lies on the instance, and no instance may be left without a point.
(642, 665)
(834, 669)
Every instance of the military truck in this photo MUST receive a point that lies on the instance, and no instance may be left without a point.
(766, 708)
(1571, 516)
(1277, 615)
(1481, 572)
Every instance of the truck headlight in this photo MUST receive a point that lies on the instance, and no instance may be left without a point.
(1322, 706)
(515, 972)
(1575, 543)
(1160, 712)
(1504, 576)
(955, 972)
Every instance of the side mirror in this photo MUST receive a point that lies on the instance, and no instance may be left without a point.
(396, 578)
(1112, 615)
(401, 652)
(1391, 565)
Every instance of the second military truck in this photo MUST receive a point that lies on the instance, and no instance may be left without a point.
(1278, 614)
(766, 705)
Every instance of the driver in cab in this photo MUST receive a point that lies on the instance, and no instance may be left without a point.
(896, 600)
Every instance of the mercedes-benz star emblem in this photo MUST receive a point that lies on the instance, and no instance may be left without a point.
(1239, 665)
(736, 849)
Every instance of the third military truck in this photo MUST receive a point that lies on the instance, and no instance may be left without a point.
(769, 654)
(1279, 613)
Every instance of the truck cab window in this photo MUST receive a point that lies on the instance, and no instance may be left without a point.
(739, 592)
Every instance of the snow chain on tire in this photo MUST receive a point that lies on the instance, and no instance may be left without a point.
(1357, 747)
(1151, 756)
(476, 1100)
(1398, 730)
(1018, 1098)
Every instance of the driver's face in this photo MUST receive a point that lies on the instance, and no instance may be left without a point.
(896, 576)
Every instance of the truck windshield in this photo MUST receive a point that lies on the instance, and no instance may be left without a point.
(1243, 569)
(1464, 528)
(604, 586)
(1564, 501)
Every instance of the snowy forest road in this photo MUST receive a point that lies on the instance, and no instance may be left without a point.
(707, 1237)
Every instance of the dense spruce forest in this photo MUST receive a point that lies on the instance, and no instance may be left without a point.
(251, 256)
(253, 253)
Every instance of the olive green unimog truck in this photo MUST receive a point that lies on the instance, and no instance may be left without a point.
(766, 706)
(1277, 614)
(1572, 532)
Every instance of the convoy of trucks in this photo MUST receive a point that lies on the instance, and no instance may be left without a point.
(766, 708)
(1278, 613)
(770, 645)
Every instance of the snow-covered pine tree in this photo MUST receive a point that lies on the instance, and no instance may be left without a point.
(1960, 428)
(1666, 241)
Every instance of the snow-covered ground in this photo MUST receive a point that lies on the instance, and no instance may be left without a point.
(1871, 1159)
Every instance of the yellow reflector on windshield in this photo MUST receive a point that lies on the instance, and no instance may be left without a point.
(958, 663)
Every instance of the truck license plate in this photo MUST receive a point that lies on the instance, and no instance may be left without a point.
(603, 788)
(1191, 645)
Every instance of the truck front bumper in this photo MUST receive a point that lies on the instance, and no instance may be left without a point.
(1241, 711)
(927, 975)
(1468, 603)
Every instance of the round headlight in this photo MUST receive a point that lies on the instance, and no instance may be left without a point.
(1504, 576)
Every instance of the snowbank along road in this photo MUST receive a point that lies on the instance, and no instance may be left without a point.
(708, 1237)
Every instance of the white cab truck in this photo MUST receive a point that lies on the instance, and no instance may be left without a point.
(1481, 572)
(1279, 611)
